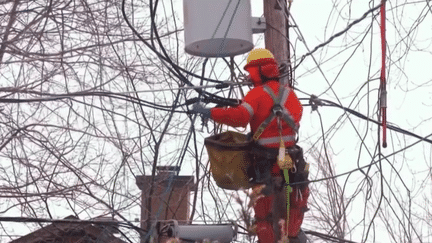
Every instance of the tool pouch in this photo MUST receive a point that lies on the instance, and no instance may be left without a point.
(230, 159)
(300, 173)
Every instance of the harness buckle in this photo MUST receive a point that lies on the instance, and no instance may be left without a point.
(258, 133)
(277, 110)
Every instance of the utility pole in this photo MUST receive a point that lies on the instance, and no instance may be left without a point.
(276, 40)
(276, 34)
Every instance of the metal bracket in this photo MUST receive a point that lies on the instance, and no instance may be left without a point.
(258, 25)
(277, 110)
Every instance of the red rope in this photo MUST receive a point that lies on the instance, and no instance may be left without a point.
(383, 98)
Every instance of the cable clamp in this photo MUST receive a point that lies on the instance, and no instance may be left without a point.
(314, 101)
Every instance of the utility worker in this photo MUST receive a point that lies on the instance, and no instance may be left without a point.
(255, 108)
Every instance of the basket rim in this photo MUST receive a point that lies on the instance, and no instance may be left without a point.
(213, 142)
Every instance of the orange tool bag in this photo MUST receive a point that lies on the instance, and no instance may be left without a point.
(230, 159)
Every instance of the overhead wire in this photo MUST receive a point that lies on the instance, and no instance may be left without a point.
(200, 87)
(379, 161)
(327, 42)
(318, 65)
(362, 167)
(174, 68)
(337, 35)
(324, 102)
(122, 96)
(350, 110)
(55, 97)
(327, 237)
(212, 98)
(353, 126)
(365, 117)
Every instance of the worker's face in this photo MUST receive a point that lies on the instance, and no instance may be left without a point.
(254, 75)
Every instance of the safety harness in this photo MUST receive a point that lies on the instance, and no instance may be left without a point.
(278, 111)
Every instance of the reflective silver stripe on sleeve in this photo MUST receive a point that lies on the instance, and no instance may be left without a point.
(248, 108)
(272, 140)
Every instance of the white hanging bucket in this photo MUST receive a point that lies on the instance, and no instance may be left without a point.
(217, 28)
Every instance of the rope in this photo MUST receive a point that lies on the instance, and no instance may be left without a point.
(285, 163)
(289, 190)
(383, 95)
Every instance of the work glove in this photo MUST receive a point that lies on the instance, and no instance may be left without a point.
(201, 110)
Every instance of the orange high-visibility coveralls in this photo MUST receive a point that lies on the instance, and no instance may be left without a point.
(254, 109)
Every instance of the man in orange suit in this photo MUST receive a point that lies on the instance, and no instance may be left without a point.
(273, 112)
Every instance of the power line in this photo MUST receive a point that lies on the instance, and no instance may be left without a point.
(173, 68)
(327, 237)
(337, 34)
(315, 102)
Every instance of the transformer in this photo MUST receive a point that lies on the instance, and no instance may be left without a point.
(217, 28)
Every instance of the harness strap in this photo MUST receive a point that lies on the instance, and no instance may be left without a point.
(277, 110)
(284, 113)
(263, 126)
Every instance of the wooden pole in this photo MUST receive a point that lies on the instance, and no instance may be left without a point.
(276, 40)
(276, 34)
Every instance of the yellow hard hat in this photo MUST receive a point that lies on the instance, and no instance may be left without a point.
(259, 53)
(258, 57)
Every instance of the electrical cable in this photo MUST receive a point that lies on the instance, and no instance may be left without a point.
(315, 102)
(154, 30)
(327, 237)
(55, 97)
(124, 96)
(177, 69)
(356, 169)
(337, 35)
(322, 102)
